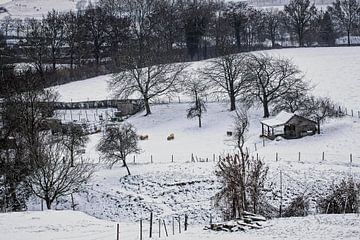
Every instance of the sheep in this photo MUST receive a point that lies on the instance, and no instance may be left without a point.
(171, 137)
(144, 137)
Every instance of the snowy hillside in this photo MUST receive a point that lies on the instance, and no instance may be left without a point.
(166, 182)
(172, 184)
(38, 8)
(75, 225)
(169, 188)
(331, 70)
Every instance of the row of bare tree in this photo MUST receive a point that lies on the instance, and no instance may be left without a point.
(114, 30)
(249, 78)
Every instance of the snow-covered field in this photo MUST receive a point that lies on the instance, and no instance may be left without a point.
(172, 185)
(333, 71)
(67, 225)
(38, 8)
(155, 186)
(168, 188)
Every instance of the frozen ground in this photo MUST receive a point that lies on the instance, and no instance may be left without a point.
(68, 225)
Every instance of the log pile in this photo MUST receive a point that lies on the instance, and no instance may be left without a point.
(248, 221)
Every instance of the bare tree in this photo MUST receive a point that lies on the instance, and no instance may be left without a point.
(272, 20)
(272, 78)
(227, 74)
(73, 138)
(236, 15)
(345, 15)
(299, 13)
(148, 82)
(54, 32)
(293, 101)
(241, 178)
(36, 45)
(319, 109)
(197, 89)
(25, 107)
(95, 23)
(117, 143)
(55, 176)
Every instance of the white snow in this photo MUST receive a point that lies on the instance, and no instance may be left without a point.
(69, 225)
(37, 8)
(280, 119)
(332, 71)
(170, 188)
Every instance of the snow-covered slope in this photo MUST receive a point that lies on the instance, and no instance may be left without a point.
(38, 8)
(168, 188)
(68, 225)
(333, 71)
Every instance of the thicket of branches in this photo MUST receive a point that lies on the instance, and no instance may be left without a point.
(342, 198)
(32, 159)
(242, 179)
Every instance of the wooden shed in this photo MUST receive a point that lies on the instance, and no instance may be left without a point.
(288, 125)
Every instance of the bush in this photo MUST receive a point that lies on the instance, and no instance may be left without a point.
(343, 198)
(298, 207)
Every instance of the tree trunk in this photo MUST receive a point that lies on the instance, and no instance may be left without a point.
(301, 40)
(238, 39)
(199, 121)
(71, 60)
(147, 106)
(348, 38)
(232, 102)
(127, 168)
(48, 203)
(266, 108)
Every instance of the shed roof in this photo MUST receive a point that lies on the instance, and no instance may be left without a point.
(281, 119)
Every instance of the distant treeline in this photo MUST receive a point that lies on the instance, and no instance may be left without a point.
(117, 34)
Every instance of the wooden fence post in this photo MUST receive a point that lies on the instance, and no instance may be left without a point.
(352, 113)
(192, 158)
(263, 141)
(173, 225)
(172, 157)
(299, 156)
(166, 232)
(323, 156)
(351, 158)
(151, 224)
(255, 147)
(277, 157)
(151, 158)
(214, 157)
(140, 229)
(134, 159)
(117, 231)
(159, 228)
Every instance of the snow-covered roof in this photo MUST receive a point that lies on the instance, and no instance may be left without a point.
(282, 118)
